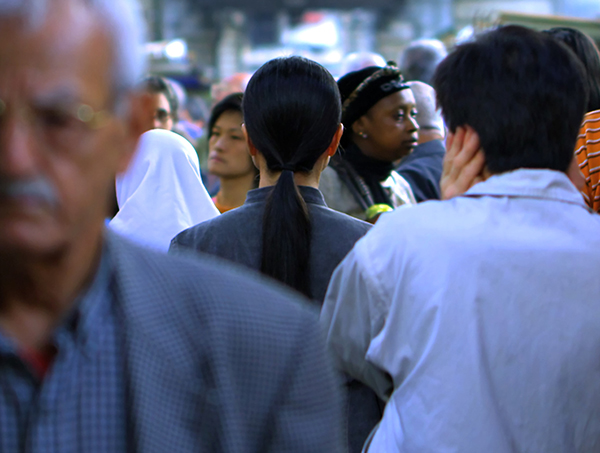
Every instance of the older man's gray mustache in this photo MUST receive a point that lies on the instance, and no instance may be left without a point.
(38, 189)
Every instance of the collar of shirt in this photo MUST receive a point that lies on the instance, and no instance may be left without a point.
(529, 183)
(310, 195)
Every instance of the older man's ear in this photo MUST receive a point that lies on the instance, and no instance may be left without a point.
(139, 119)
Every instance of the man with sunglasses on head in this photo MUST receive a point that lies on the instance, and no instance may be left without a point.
(105, 346)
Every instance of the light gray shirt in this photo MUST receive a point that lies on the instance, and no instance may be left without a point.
(477, 319)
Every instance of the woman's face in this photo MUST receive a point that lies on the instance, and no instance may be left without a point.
(390, 127)
(228, 153)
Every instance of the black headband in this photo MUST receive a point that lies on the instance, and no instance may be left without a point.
(362, 89)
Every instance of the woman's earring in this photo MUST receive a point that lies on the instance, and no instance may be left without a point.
(363, 134)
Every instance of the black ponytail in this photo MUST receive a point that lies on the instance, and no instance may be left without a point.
(286, 235)
(292, 111)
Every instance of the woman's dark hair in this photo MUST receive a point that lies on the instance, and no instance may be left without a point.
(588, 54)
(292, 111)
(230, 103)
(233, 102)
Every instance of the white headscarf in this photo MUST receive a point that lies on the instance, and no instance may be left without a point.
(161, 193)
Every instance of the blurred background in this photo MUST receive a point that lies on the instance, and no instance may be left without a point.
(209, 48)
(198, 42)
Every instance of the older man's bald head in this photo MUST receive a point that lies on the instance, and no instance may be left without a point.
(429, 118)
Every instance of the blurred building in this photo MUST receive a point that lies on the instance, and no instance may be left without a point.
(212, 39)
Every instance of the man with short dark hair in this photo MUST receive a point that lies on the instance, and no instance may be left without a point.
(165, 104)
(105, 346)
(476, 318)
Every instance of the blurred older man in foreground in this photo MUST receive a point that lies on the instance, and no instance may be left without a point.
(106, 347)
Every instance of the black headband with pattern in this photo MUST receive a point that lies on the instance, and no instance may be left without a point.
(362, 89)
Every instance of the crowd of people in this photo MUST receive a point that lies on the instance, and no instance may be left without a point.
(396, 261)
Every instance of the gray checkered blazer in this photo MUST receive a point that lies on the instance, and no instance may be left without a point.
(217, 361)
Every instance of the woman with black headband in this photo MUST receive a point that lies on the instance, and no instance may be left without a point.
(292, 114)
(378, 113)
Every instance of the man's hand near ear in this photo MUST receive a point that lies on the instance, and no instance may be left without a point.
(464, 162)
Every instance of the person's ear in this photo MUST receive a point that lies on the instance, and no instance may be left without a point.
(335, 141)
(360, 127)
(251, 148)
(138, 120)
(575, 175)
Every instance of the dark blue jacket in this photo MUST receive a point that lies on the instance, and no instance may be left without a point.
(423, 169)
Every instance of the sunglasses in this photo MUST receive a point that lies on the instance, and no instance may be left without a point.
(162, 115)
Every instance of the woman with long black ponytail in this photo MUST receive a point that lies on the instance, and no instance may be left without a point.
(292, 122)
(292, 119)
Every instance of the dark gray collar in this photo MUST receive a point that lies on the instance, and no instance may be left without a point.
(310, 195)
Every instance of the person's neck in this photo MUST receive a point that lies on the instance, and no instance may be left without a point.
(310, 179)
(37, 291)
(302, 179)
(232, 191)
(427, 135)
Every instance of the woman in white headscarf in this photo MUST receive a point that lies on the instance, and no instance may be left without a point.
(161, 192)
